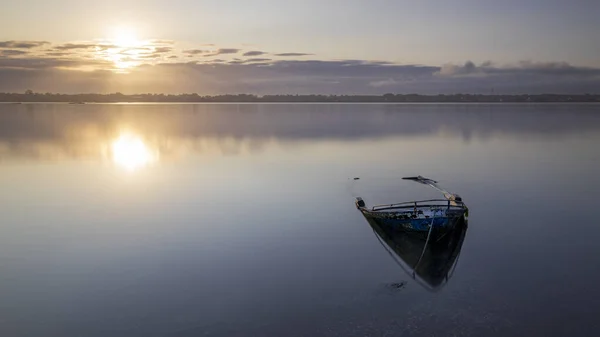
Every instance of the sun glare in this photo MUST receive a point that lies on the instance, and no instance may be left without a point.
(131, 153)
(125, 49)
(125, 37)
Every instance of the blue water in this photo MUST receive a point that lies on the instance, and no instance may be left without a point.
(239, 220)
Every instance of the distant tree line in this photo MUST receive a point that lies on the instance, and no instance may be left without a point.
(30, 96)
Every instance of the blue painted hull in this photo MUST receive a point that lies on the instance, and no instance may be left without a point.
(417, 224)
(428, 217)
(401, 222)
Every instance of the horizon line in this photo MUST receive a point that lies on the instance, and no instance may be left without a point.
(31, 97)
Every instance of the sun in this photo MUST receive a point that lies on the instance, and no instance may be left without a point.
(123, 48)
(125, 37)
(131, 153)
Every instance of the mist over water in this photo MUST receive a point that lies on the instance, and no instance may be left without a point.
(238, 219)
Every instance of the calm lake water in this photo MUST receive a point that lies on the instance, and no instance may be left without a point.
(239, 219)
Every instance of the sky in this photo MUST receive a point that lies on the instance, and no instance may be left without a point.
(310, 46)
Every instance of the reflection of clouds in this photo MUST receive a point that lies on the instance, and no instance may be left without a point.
(181, 147)
(58, 131)
(50, 150)
(101, 148)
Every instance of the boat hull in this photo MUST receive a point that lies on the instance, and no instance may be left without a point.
(429, 218)
(442, 222)
(430, 263)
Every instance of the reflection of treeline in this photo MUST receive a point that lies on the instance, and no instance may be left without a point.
(30, 96)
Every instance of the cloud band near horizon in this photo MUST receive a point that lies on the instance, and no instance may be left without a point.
(156, 66)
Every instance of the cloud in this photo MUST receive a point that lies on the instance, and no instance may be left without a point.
(22, 44)
(49, 79)
(103, 47)
(12, 52)
(72, 46)
(258, 60)
(359, 76)
(53, 72)
(33, 63)
(383, 83)
(195, 51)
(60, 53)
(276, 76)
(158, 41)
(223, 51)
(547, 68)
(468, 68)
(293, 54)
(163, 49)
(254, 53)
(250, 60)
(523, 68)
(148, 56)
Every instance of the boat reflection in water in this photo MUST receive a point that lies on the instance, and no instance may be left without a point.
(429, 263)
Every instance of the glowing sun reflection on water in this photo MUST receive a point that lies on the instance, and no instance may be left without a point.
(130, 152)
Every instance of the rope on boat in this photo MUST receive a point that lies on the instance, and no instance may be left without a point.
(426, 242)
(393, 256)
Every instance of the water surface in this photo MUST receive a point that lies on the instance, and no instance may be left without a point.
(238, 219)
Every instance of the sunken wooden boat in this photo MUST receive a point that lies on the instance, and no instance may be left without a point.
(429, 219)
(430, 263)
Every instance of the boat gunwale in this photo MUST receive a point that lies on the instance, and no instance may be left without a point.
(412, 204)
